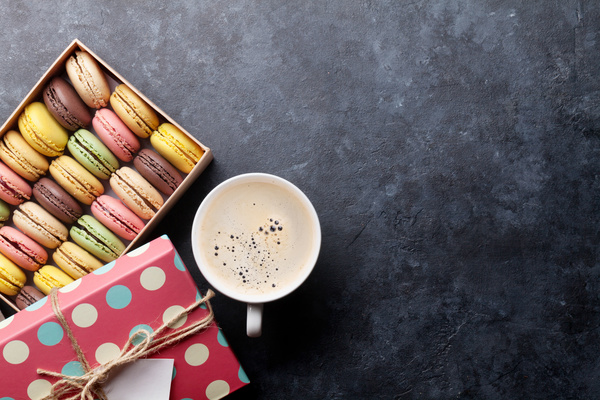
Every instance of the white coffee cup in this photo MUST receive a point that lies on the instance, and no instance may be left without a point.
(256, 238)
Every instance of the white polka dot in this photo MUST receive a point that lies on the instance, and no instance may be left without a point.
(171, 312)
(196, 354)
(84, 315)
(6, 322)
(70, 287)
(217, 389)
(140, 250)
(107, 352)
(152, 278)
(15, 352)
(39, 389)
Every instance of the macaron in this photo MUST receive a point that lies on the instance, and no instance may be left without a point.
(133, 111)
(40, 225)
(4, 212)
(57, 201)
(158, 171)
(65, 105)
(136, 192)
(49, 277)
(42, 131)
(21, 157)
(178, 148)
(88, 79)
(117, 217)
(22, 250)
(28, 296)
(115, 134)
(13, 189)
(75, 179)
(97, 239)
(12, 278)
(74, 260)
(92, 154)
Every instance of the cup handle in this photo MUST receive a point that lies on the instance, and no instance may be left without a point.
(254, 322)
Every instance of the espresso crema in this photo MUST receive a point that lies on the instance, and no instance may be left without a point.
(256, 238)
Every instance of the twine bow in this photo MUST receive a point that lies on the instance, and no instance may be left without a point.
(89, 385)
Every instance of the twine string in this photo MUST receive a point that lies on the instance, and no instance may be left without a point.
(89, 385)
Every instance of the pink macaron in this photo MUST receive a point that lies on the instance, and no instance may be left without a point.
(22, 250)
(117, 217)
(115, 134)
(13, 189)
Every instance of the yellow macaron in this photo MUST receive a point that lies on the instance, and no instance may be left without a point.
(21, 157)
(178, 148)
(74, 260)
(135, 112)
(42, 131)
(12, 278)
(49, 277)
(75, 179)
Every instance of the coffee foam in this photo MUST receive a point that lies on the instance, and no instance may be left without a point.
(256, 238)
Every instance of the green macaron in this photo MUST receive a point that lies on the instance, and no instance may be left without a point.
(92, 154)
(4, 212)
(97, 239)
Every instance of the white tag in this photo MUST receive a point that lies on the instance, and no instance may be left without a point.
(145, 379)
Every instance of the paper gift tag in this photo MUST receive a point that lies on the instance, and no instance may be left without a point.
(145, 379)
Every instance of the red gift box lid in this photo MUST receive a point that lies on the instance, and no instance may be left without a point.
(141, 290)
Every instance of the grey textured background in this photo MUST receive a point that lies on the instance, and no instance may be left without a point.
(450, 148)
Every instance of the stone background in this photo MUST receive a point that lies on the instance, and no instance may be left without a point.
(451, 149)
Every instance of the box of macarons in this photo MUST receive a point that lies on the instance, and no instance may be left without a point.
(88, 166)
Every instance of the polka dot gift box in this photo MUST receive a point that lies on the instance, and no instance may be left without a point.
(143, 289)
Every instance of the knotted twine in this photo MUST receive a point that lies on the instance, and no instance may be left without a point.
(89, 385)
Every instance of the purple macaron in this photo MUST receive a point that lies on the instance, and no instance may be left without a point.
(65, 105)
(57, 201)
(158, 171)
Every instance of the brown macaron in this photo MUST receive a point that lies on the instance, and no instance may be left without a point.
(27, 296)
(158, 171)
(65, 105)
(57, 201)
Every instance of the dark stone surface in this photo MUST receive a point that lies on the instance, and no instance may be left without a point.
(450, 148)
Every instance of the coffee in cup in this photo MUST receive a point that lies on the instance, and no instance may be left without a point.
(256, 238)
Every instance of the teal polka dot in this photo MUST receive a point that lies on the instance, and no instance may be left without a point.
(139, 338)
(172, 377)
(118, 297)
(7, 398)
(105, 268)
(37, 305)
(198, 298)
(242, 375)
(179, 263)
(50, 333)
(221, 339)
(187, 398)
(73, 368)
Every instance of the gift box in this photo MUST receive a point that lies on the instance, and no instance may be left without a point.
(143, 289)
